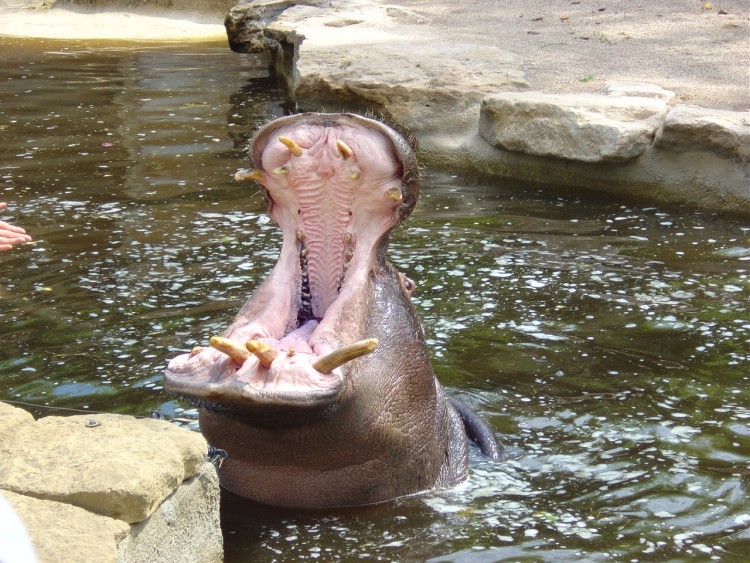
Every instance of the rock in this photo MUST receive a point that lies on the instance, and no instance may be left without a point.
(62, 532)
(691, 128)
(638, 89)
(11, 420)
(113, 465)
(581, 127)
(245, 24)
(185, 528)
(77, 483)
(325, 56)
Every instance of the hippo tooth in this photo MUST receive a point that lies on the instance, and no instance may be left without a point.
(344, 149)
(281, 170)
(197, 350)
(231, 348)
(265, 353)
(247, 174)
(394, 193)
(339, 357)
(293, 147)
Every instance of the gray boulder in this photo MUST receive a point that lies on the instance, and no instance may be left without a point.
(581, 127)
(690, 128)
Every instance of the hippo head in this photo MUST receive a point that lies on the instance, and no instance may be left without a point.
(321, 390)
(336, 185)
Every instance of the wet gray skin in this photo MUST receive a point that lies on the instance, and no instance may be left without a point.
(321, 390)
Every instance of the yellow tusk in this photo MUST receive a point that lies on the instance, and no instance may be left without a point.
(197, 350)
(247, 174)
(265, 353)
(281, 170)
(328, 363)
(344, 149)
(293, 147)
(394, 193)
(231, 348)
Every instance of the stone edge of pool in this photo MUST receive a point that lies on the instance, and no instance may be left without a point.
(472, 110)
(107, 487)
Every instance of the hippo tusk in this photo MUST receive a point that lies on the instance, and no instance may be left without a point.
(345, 150)
(293, 147)
(394, 194)
(265, 353)
(339, 357)
(231, 348)
(247, 174)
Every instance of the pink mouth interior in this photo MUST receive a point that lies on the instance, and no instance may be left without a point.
(334, 204)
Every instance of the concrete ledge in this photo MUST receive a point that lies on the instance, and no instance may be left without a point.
(110, 488)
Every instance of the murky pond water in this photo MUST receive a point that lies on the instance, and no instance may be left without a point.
(608, 342)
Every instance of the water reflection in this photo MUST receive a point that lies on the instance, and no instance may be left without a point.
(609, 343)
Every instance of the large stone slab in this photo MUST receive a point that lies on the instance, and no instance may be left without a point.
(62, 532)
(11, 420)
(580, 127)
(184, 529)
(691, 128)
(113, 465)
(377, 56)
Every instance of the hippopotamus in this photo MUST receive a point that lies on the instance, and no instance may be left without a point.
(321, 390)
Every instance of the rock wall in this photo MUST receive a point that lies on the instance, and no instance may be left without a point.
(105, 487)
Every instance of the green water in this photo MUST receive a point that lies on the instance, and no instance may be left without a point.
(607, 342)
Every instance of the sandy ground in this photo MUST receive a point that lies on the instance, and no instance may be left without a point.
(700, 50)
(29, 18)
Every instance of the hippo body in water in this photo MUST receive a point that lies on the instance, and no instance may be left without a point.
(321, 390)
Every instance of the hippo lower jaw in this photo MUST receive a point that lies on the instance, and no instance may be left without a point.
(336, 186)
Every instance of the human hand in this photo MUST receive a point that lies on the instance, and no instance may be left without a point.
(10, 235)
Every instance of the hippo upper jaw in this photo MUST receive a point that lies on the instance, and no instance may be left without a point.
(336, 185)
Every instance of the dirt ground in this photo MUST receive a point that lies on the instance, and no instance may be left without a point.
(700, 50)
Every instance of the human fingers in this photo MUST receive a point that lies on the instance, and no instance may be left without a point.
(7, 237)
(7, 227)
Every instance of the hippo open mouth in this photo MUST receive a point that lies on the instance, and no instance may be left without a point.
(336, 186)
